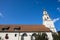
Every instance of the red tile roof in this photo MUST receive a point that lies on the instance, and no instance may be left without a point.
(24, 28)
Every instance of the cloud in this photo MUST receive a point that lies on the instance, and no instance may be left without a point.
(54, 20)
(1, 15)
(58, 8)
(58, 0)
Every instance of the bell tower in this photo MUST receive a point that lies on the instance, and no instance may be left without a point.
(47, 21)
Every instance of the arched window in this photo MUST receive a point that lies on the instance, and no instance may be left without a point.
(33, 36)
(24, 35)
(47, 17)
(0, 38)
(44, 36)
(15, 35)
(6, 36)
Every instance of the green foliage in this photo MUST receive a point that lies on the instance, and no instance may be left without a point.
(41, 37)
(59, 35)
(55, 36)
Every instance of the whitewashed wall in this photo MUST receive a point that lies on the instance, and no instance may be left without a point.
(18, 37)
(11, 36)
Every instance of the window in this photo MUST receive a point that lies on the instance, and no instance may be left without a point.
(6, 36)
(44, 35)
(33, 36)
(0, 38)
(23, 36)
(5, 29)
(47, 17)
(15, 35)
(16, 29)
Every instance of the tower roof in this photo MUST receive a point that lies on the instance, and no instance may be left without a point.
(44, 12)
(44, 9)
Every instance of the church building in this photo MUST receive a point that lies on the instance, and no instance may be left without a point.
(28, 32)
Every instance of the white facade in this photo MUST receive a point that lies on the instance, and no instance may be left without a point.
(18, 36)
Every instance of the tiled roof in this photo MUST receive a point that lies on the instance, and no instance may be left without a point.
(23, 28)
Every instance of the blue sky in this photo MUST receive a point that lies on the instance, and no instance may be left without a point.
(28, 11)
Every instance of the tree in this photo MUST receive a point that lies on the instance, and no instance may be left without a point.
(55, 36)
(59, 34)
(42, 36)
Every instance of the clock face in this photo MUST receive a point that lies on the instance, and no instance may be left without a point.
(46, 18)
